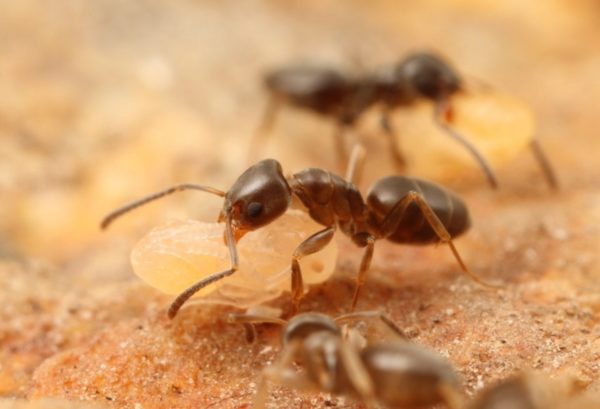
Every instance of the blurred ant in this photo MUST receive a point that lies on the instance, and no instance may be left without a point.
(397, 208)
(393, 373)
(531, 390)
(331, 94)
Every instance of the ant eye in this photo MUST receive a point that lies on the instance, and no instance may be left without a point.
(254, 210)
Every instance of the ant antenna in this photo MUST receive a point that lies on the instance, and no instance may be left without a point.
(441, 111)
(544, 163)
(115, 214)
(188, 293)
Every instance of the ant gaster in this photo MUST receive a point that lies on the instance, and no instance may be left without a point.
(329, 93)
(395, 373)
(397, 208)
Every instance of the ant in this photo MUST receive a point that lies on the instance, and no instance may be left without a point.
(397, 208)
(329, 93)
(531, 390)
(395, 373)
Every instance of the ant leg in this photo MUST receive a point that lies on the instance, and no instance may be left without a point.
(357, 373)
(264, 128)
(355, 167)
(311, 245)
(452, 397)
(340, 145)
(382, 318)
(544, 163)
(364, 267)
(248, 321)
(108, 219)
(394, 146)
(391, 222)
(442, 109)
(280, 372)
(185, 295)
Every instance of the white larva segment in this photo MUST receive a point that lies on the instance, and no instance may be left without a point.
(499, 125)
(173, 257)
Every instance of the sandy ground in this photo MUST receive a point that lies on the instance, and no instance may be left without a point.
(107, 100)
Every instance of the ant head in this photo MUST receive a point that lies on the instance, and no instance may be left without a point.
(303, 325)
(259, 196)
(428, 75)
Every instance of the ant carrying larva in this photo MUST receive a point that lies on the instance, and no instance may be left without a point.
(399, 209)
(419, 76)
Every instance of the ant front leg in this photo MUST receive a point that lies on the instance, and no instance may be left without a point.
(390, 223)
(394, 146)
(357, 373)
(311, 245)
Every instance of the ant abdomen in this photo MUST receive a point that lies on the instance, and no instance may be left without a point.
(412, 227)
(320, 89)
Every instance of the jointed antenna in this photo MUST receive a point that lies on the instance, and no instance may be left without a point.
(115, 214)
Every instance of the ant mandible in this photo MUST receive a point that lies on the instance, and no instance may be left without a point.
(397, 208)
(395, 373)
(329, 93)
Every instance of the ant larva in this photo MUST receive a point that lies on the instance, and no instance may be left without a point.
(419, 76)
(393, 373)
(397, 208)
(173, 256)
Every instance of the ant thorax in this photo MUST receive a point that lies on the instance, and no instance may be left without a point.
(176, 255)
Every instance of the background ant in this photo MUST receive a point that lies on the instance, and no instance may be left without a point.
(395, 373)
(397, 208)
(332, 94)
(533, 390)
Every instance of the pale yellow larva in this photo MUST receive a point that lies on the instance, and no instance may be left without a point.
(173, 257)
(498, 125)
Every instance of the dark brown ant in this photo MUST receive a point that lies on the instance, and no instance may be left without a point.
(321, 90)
(397, 208)
(344, 99)
(395, 373)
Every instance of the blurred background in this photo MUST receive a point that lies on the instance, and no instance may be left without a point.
(107, 100)
(103, 101)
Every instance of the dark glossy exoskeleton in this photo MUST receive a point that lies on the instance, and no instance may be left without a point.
(399, 209)
(418, 76)
(393, 373)
(321, 90)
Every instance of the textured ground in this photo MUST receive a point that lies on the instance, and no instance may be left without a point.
(103, 101)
